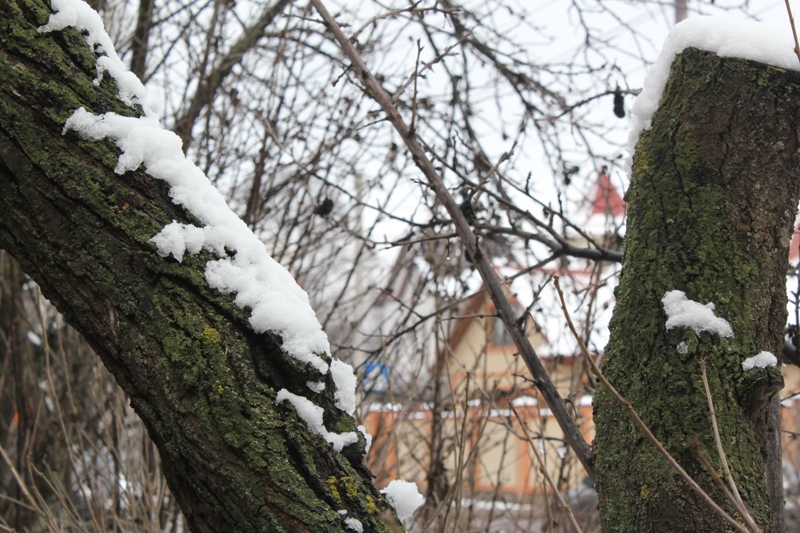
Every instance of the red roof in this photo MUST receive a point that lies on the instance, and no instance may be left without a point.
(607, 200)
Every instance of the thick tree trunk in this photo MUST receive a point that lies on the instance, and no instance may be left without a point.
(203, 382)
(714, 191)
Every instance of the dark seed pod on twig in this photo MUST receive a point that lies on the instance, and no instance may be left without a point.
(619, 100)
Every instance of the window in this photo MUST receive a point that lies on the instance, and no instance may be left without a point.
(500, 334)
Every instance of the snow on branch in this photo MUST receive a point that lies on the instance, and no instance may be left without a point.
(82, 17)
(256, 280)
(762, 360)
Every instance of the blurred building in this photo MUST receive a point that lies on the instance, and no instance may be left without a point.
(463, 437)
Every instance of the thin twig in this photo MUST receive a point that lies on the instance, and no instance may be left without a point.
(543, 470)
(427, 66)
(794, 30)
(711, 470)
(393, 13)
(734, 496)
(480, 315)
(639, 422)
(413, 127)
(503, 158)
(20, 482)
(441, 237)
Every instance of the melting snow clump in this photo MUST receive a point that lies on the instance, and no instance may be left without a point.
(345, 380)
(404, 497)
(82, 17)
(316, 386)
(683, 348)
(762, 360)
(367, 437)
(312, 414)
(685, 313)
(355, 525)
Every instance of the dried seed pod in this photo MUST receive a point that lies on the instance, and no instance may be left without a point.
(619, 100)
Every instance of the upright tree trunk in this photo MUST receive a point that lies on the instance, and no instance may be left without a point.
(20, 392)
(202, 380)
(141, 34)
(714, 192)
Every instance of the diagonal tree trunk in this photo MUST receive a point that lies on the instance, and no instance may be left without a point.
(714, 192)
(202, 380)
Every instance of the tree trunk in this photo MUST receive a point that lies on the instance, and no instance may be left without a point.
(202, 380)
(714, 192)
(144, 24)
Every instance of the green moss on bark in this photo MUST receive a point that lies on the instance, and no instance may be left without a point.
(710, 205)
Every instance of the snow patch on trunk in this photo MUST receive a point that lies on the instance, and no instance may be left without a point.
(685, 313)
(762, 360)
(404, 497)
(312, 415)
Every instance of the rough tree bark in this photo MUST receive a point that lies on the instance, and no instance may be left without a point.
(714, 192)
(203, 382)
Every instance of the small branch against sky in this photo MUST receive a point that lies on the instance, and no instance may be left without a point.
(794, 30)
(418, 72)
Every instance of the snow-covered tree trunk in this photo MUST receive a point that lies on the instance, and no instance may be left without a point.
(203, 381)
(714, 191)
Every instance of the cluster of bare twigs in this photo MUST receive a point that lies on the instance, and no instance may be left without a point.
(74, 456)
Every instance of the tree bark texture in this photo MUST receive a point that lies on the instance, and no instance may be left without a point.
(713, 196)
(203, 382)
